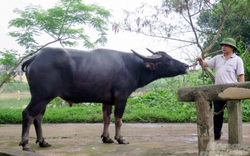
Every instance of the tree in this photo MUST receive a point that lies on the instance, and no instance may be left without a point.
(237, 26)
(67, 23)
(178, 20)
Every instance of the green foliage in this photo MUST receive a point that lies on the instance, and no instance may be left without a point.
(180, 6)
(159, 106)
(8, 60)
(246, 110)
(78, 113)
(66, 23)
(9, 115)
(245, 55)
(57, 102)
(236, 23)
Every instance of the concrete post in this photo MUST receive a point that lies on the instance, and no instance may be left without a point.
(235, 122)
(204, 123)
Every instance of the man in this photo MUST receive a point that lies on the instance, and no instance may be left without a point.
(228, 67)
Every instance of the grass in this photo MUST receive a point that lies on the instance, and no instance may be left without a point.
(143, 113)
(93, 114)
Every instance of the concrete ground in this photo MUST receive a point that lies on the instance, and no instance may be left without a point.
(145, 140)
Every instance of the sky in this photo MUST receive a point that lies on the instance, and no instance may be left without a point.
(123, 41)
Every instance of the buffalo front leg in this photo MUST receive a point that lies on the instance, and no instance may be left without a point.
(106, 111)
(119, 110)
(39, 133)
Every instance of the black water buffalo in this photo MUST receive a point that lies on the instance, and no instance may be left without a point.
(102, 76)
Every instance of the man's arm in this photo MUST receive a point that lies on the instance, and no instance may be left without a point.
(241, 78)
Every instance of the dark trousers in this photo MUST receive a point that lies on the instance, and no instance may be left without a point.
(218, 118)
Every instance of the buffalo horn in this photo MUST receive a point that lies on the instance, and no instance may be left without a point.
(150, 51)
(154, 58)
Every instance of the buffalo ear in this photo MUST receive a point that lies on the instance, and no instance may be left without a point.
(151, 66)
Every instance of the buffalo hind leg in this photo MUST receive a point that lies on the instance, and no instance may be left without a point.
(26, 123)
(29, 114)
(119, 110)
(106, 111)
(39, 133)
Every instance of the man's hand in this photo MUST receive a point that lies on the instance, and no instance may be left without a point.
(201, 61)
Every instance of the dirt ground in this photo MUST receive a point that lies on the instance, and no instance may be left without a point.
(145, 140)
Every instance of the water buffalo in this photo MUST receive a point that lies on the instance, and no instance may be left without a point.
(102, 76)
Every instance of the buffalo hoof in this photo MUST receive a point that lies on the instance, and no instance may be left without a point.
(43, 143)
(26, 147)
(121, 141)
(107, 140)
(29, 149)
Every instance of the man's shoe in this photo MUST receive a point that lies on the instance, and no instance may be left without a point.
(217, 137)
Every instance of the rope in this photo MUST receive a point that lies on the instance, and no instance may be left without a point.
(218, 113)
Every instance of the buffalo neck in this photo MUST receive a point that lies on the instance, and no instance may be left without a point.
(142, 74)
(146, 76)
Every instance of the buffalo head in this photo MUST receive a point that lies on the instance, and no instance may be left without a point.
(163, 64)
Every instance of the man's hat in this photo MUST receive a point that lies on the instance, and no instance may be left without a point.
(229, 41)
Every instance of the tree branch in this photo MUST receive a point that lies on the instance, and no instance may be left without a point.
(168, 38)
(216, 36)
(212, 53)
(8, 77)
(192, 26)
(64, 19)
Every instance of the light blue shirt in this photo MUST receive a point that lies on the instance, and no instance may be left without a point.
(226, 70)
